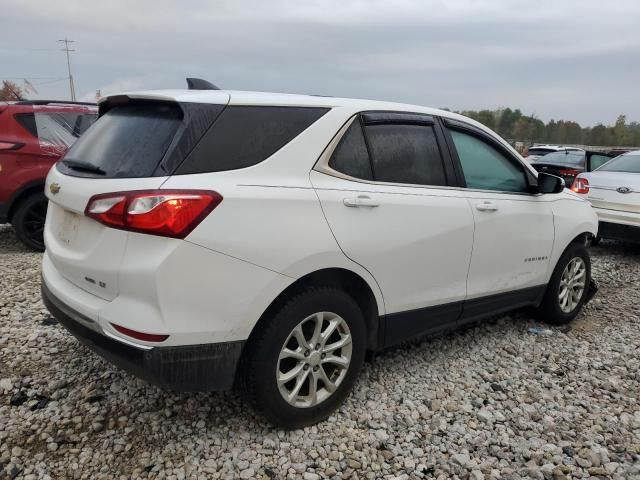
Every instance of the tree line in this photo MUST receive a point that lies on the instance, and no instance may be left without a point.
(514, 126)
(510, 124)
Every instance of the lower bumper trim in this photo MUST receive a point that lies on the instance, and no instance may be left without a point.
(191, 368)
(619, 231)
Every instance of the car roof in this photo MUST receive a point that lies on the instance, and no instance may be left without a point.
(48, 106)
(236, 97)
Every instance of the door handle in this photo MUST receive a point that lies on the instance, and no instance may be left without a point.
(360, 201)
(486, 207)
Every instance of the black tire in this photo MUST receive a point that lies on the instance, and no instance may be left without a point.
(549, 310)
(260, 363)
(28, 221)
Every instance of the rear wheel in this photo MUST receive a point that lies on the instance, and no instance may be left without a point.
(568, 289)
(303, 364)
(28, 221)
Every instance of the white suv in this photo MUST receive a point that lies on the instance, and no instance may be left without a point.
(205, 239)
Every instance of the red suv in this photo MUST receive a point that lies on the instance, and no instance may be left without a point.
(34, 134)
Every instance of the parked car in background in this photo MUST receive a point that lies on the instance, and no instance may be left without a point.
(205, 239)
(537, 151)
(570, 163)
(614, 191)
(33, 136)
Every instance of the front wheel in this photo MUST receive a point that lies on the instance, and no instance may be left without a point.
(569, 286)
(303, 362)
(28, 221)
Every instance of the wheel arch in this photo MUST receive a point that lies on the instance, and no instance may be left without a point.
(352, 283)
(24, 192)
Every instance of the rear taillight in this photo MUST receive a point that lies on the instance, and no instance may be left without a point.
(168, 213)
(10, 145)
(568, 172)
(580, 185)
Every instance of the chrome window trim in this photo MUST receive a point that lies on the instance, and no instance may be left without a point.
(322, 166)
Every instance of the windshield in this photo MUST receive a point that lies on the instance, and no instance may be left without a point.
(629, 163)
(565, 158)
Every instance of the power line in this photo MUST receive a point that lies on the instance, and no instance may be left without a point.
(66, 49)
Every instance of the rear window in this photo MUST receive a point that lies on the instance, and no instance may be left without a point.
(629, 163)
(564, 157)
(243, 136)
(539, 151)
(128, 140)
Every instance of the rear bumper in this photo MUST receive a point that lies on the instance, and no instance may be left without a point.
(206, 367)
(619, 231)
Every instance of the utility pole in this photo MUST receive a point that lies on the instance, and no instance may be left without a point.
(66, 49)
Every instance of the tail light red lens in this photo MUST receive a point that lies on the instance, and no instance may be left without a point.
(147, 337)
(168, 213)
(568, 172)
(580, 185)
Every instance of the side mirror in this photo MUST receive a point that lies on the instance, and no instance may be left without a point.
(548, 183)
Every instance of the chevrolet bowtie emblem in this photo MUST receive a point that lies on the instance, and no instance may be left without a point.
(54, 188)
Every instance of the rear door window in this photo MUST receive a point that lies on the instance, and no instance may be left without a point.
(350, 156)
(129, 140)
(243, 136)
(405, 154)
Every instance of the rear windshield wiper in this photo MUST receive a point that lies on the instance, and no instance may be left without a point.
(83, 166)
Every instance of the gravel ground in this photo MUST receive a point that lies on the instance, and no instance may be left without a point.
(493, 401)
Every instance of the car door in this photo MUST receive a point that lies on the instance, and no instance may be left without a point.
(596, 159)
(514, 229)
(383, 186)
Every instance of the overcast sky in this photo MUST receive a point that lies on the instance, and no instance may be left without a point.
(564, 59)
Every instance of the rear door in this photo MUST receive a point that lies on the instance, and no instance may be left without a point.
(514, 229)
(383, 185)
(133, 146)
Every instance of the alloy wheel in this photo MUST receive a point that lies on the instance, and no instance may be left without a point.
(314, 359)
(572, 284)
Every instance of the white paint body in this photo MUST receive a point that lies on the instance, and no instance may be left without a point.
(611, 205)
(281, 220)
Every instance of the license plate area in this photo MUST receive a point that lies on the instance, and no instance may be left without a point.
(67, 229)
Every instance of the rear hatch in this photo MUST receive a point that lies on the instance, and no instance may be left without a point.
(619, 191)
(134, 145)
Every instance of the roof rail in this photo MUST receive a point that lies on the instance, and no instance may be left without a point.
(200, 84)
(48, 102)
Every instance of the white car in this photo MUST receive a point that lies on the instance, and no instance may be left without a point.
(537, 151)
(614, 191)
(205, 239)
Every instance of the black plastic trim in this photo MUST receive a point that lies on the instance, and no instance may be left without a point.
(618, 231)
(478, 308)
(200, 84)
(398, 327)
(192, 368)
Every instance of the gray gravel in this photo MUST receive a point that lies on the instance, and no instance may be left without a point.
(494, 401)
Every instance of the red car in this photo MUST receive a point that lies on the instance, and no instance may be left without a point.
(34, 134)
